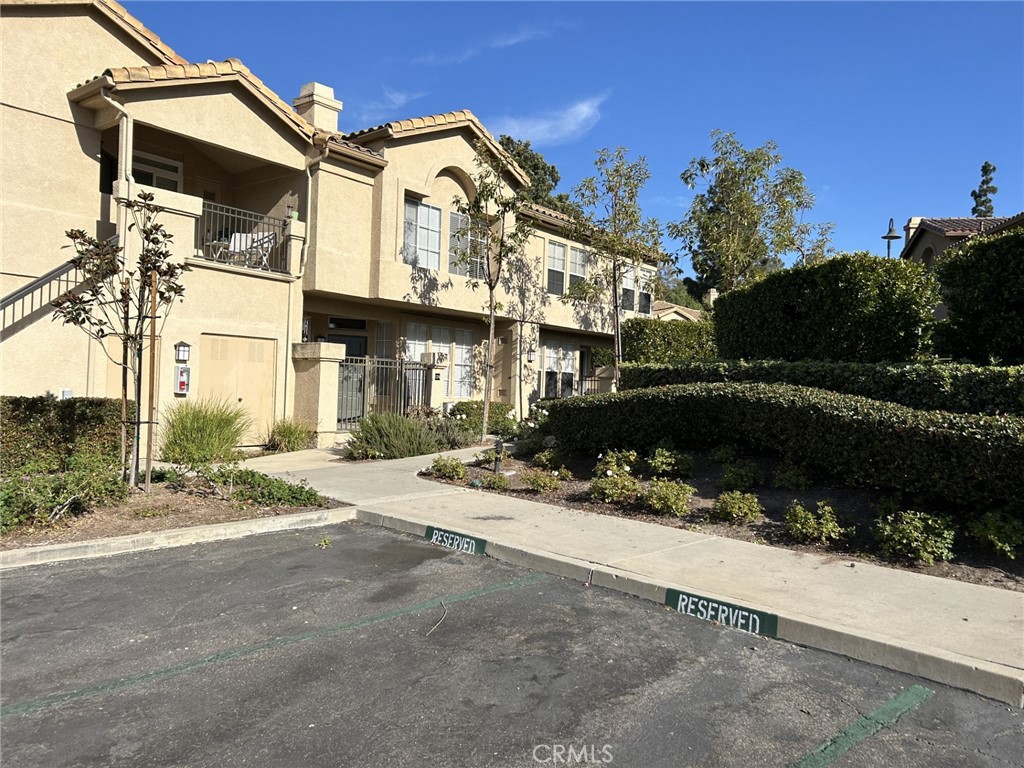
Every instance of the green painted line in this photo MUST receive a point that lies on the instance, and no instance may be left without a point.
(460, 542)
(829, 751)
(737, 616)
(270, 645)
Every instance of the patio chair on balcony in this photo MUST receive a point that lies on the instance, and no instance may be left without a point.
(237, 249)
(258, 253)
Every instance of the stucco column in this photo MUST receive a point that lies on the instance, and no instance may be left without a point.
(316, 387)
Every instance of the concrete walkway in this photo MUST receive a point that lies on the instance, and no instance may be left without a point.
(960, 634)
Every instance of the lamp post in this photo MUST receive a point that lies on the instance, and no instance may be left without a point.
(889, 236)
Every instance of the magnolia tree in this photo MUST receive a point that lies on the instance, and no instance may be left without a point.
(491, 239)
(115, 301)
(619, 239)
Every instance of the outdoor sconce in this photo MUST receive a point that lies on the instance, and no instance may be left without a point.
(530, 355)
(182, 352)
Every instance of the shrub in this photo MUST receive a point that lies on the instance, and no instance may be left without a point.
(983, 287)
(291, 435)
(448, 468)
(46, 432)
(854, 307)
(549, 458)
(926, 386)
(915, 536)
(739, 476)
(199, 432)
(807, 526)
(36, 496)
(256, 488)
(451, 433)
(486, 458)
(655, 341)
(618, 463)
(563, 473)
(735, 507)
(666, 462)
(501, 418)
(1002, 530)
(723, 454)
(963, 459)
(540, 480)
(390, 436)
(667, 497)
(790, 476)
(612, 488)
(496, 482)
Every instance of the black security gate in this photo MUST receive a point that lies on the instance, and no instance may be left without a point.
(376, 385)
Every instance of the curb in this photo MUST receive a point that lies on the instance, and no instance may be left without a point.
(174, 537)
(995, 681)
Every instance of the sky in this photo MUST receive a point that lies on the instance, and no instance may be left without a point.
(888, 109)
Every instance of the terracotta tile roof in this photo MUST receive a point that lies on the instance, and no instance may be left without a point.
(232, 68)
(962, 227)
(461, 118)
(665, 307)
(118, 13)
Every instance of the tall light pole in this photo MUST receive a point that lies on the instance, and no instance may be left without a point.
(889, 236)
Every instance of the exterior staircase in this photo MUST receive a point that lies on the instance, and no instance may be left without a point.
(34, 301)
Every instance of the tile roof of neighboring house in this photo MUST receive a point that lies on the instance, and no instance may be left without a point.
(665, 307)
(461, 118)
(962, 227)
(235, 69)
(120, 15)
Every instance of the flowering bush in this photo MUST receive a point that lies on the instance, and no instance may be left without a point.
(539, 480)
(617, 463)
(611, 487)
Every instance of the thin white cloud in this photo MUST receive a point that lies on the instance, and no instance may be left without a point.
(524, 35)
(555, 127)
(387, 106)
(445, 59)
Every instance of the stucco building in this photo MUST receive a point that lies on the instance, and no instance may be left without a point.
(300, 238)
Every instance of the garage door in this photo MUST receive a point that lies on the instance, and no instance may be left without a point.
(241, 370)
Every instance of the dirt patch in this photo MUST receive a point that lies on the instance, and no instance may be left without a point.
(161, 509)
(853, 507)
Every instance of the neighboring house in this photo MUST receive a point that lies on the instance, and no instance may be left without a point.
(666, 310)
(926, 238)
(301, 238)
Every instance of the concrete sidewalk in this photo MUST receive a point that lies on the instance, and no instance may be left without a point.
(960, 634)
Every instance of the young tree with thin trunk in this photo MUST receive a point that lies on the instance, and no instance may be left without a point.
(618, 238)
(115, 301)
(982, 196)
(493, 236)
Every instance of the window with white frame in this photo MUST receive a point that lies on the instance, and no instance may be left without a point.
(467, 247)
(385, 343)
(558, 378)
(645, 289)
(156, 171)
(577, 266)
(556, 268)
(628, 302)
(455, 344)
(422, 246)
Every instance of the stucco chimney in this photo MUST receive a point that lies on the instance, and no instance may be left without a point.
(912, 224)
(317, 104)
(710, 296)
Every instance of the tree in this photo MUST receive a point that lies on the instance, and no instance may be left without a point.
(749, 215)
(677, 291)
(544, 177)
(493, 235)
(114, 301)
(983, 194)
(617, 235)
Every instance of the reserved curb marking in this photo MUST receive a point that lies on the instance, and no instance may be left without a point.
(460, 542)
(735, 616)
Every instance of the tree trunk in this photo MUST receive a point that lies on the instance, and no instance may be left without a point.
(489, 367)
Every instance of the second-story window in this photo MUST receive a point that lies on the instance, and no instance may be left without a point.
(628, 288)
(577, 266)
(466, 247)
(422, 247)
(556, 268)
(645, 287)
(156, 171)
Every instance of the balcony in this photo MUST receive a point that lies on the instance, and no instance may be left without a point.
(242, 238)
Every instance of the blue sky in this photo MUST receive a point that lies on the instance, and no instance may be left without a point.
(889, 109)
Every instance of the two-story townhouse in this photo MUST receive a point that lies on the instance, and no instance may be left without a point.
(300, 238)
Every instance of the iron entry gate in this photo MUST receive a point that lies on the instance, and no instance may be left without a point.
(376, 385)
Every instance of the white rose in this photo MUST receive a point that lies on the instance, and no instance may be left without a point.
(608, 472)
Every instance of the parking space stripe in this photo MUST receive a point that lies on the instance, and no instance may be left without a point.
(110, 686)
(829, 751)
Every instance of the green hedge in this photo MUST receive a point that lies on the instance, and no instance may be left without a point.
(983, 287)
(659, 341)
(964, 459)
(47, 432)
(957, 388)
(855, 307)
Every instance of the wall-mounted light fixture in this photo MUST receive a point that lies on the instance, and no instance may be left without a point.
(182, 351)
(531, 355)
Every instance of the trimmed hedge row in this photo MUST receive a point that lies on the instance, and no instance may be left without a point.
(956, 388)
(47, 432)
(855, 307)
(657, 341)
(964, 459)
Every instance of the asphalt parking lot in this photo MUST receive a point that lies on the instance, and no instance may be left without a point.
(379, 649)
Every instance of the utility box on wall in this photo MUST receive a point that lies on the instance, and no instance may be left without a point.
(182, 374)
